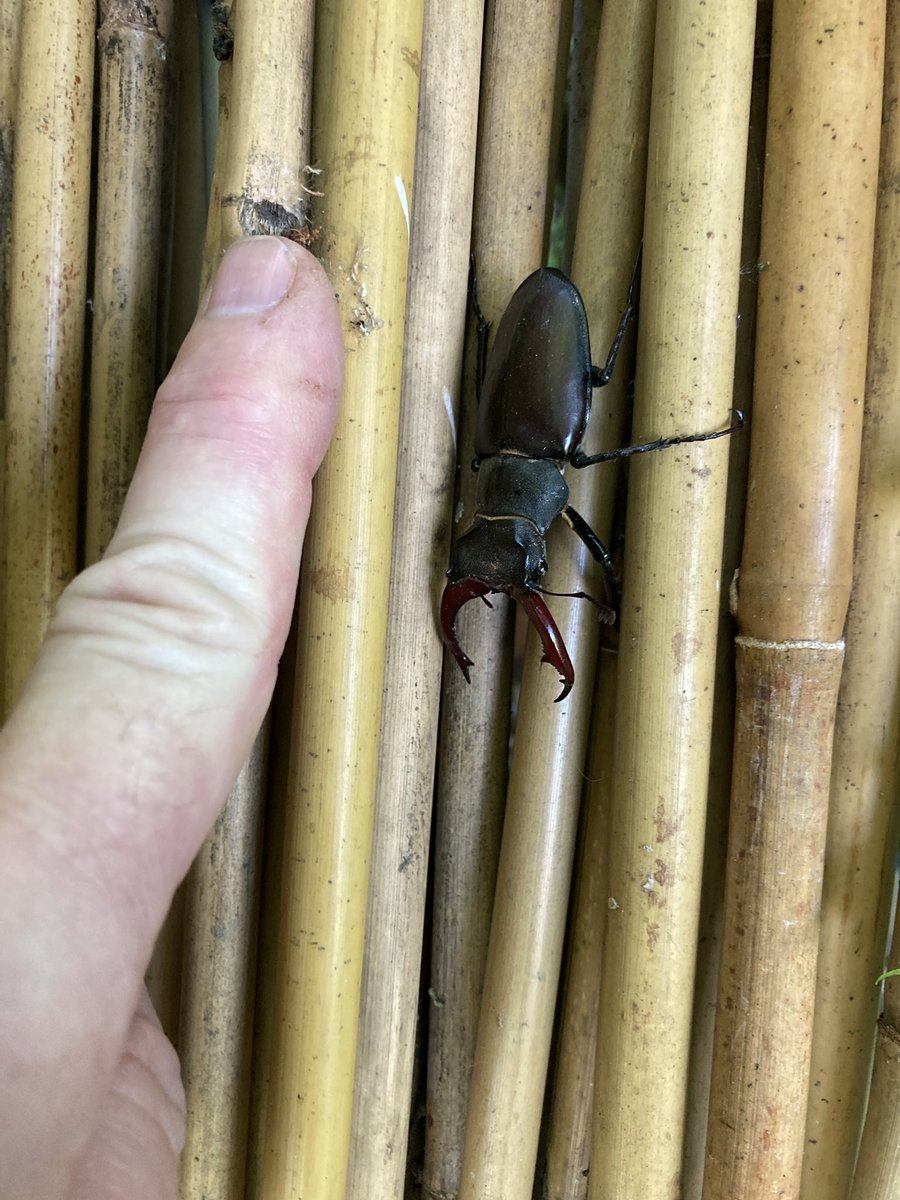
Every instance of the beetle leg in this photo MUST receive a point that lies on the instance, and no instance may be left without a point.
(579, 525)
(482, 329)
(579, 459)
(555, 652)
(454, 597)
(600, 376)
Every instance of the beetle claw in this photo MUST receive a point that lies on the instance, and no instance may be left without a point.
(454, 597)
(555, 652)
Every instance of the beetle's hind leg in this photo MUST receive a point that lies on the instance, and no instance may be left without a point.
(600, 376)
(579, 525)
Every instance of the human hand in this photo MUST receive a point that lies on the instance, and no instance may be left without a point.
(141, 708)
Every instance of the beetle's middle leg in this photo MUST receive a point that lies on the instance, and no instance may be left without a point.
(600, 376)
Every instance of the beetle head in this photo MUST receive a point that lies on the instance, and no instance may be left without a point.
(503, 555)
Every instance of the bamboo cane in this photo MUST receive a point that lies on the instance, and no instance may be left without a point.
(508, 224)
(435, 326)
(862, 816)
(365, 145)
(47, 266)
(264, 187)
(468, 814)
(133, 81)
(709, 940)
(818, 215)
(221, 910)
(614, 176)
(877, 1175)
(568, 1151)
(10, 27)
(260, 162)
(701, 93)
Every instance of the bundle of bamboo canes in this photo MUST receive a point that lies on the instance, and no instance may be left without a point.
(451, 941)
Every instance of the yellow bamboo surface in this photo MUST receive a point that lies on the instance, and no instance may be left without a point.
(265, 183)
(435, 327)
(508, 223)
(47, 280)
(568, 1153)
(217, 991)
(259, 176)
(818, 217)
(862, 818)
(528, 922)
(365, 147)
(10, 25)
(709, 940)
(767, 984)
(133, 80)
(468, 815)
(670, 601)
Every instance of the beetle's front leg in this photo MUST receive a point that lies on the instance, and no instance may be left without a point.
(579, 525)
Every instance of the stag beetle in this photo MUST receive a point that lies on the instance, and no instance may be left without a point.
(534, 399)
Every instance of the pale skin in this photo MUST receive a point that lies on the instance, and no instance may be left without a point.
(142, 705)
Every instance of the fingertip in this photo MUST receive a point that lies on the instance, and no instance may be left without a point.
(312, 283)
(242, 422)
(271, 307)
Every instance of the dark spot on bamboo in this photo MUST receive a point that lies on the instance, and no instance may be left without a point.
(222, 33)
(264, 216)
